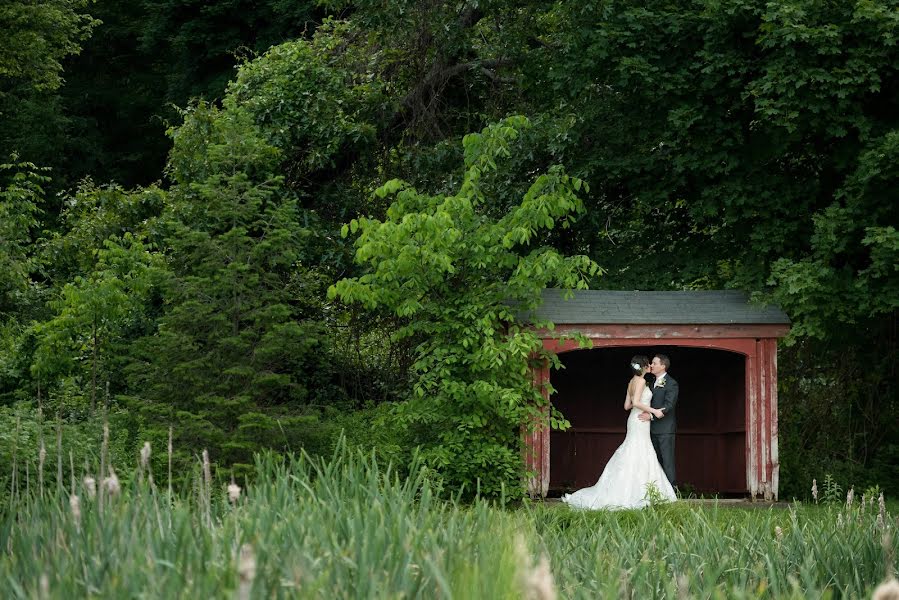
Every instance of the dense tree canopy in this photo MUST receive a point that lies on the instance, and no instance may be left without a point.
(702, 145)
(37, 38)
(39, 35)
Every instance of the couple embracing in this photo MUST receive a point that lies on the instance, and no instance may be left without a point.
(645, 460)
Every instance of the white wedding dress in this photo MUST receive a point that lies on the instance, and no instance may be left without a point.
(628, 474)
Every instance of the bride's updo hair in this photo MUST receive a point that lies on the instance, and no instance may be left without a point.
(638, 363)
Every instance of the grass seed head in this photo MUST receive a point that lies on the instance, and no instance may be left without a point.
(207, 473)
(246, 565)
(536, 580)
(888, 590)
(539, 584)
(778, 533)
(233, 492)
(683, 587)
(886, 542)
(145, 455)
(246, 571)
(90, 486)
(111, 484)
(75, 505)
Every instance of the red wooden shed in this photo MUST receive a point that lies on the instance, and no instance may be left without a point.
(723, 354)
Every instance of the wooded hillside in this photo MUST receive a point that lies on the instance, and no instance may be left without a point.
(184, 182)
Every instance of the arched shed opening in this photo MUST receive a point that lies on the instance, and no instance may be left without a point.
(711, 415)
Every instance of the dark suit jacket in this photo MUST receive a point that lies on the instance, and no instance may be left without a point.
(665, 398)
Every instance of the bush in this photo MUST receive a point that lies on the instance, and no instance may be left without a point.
(465, 283)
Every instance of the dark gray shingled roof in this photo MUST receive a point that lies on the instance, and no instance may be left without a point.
(673, 308)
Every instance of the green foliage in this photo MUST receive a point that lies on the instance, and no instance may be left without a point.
(654, 495)
(230, 362)
(94, 214)
(20, 199)
(148, 57)
(713, 130)
(375, 430)
(93, 310)
(835, 410)
(306, 102)
(854, 256)
(725, 144)
(200, 43)
(832, 492)
(872, 491)
(463, 280)
(39, 36)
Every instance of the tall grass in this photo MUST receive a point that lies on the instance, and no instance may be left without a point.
(348, 527)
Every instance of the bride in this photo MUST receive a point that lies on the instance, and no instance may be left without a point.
(634, 468)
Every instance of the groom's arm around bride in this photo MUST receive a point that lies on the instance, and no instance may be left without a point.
(662, 431)
(669, 396)
(665, 399)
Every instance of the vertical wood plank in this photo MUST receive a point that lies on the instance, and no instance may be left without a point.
(544, 435)
(536, 446)
(751, 425)
(763, 415)
(774, 461)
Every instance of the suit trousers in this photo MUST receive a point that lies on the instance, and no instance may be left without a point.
(664, 446)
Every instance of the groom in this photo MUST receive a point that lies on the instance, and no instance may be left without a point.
(664, 397)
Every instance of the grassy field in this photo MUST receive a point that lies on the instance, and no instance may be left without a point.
(348, 528)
